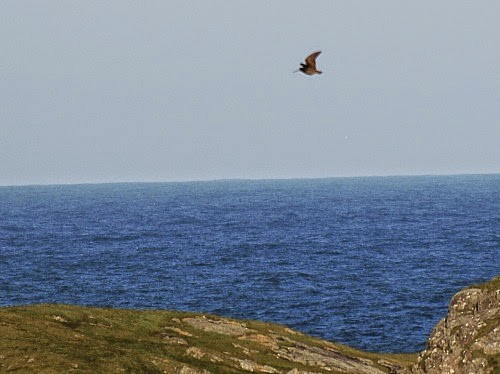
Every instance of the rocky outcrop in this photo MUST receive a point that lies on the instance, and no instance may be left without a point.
(289, 347)
(467, 340)
(65, 338)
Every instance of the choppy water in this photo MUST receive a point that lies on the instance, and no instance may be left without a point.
(369, 262)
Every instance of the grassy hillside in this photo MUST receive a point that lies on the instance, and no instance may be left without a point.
(62, 338)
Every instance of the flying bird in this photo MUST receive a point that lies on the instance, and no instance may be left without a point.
(309, 67)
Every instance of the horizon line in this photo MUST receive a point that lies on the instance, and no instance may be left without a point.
(256, 179)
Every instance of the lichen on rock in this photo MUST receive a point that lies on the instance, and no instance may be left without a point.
(467, 340)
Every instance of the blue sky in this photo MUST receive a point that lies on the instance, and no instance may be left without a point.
(186, 90)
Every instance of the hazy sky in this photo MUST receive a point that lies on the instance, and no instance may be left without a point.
(104, 91)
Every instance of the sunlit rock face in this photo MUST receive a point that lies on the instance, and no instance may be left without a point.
(467, 340)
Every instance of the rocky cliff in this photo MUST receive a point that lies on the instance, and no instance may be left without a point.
(467, 340)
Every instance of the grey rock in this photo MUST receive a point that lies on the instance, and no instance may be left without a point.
(467, 340)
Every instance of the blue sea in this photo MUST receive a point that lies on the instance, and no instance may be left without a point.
(369, 262)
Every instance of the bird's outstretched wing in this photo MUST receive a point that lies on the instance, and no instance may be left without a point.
(311, 59)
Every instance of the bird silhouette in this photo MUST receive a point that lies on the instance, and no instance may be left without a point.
(309, 67)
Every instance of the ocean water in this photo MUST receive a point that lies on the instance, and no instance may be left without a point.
(369, 262)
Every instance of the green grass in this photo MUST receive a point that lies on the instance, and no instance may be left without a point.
(63, 339)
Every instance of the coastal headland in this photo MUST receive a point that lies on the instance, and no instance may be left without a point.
(64, 338)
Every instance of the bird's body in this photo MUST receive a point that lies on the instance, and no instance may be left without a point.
(309, 67)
